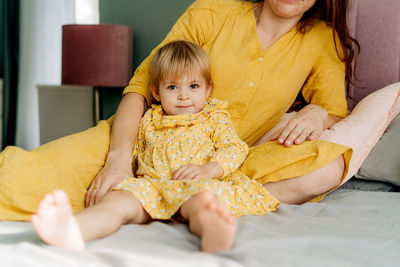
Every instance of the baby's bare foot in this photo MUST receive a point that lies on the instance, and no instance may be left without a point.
(218, 226)
(55, 223)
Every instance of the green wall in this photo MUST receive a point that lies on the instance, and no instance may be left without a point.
(150, 20)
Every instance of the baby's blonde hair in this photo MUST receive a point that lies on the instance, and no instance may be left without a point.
(178, 58)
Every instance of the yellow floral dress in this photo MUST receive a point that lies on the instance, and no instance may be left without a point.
(165, 143)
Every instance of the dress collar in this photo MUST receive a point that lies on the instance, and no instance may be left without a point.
(160, 120)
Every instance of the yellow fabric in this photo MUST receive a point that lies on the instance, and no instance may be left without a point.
(69, 163)
(165, 143)
(258, 85)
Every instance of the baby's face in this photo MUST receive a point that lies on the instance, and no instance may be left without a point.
(183, 96)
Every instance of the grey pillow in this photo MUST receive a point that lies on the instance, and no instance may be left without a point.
(355, 184)
(383, 162)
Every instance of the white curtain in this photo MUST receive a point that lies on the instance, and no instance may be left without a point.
(40, 59)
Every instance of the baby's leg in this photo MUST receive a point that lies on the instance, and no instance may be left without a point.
(57, 226)
(211, 221)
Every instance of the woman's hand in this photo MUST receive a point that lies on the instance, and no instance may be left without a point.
(111, 175)
(194, 172)
(307, 124)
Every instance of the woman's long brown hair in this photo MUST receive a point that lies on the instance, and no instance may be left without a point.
(334, 13)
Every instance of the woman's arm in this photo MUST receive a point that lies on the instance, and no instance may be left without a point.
(118, 165)
(196, 24)
(324, 90)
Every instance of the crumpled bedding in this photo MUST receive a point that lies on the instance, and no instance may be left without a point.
(347, 228)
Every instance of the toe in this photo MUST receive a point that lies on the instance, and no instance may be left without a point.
(207, 196)
(230, 219)
(36, 222)
(34, 219)
(225, 214)
(44, 204)
(220, 210)
(39, 212)
(60, 197)
(48, 199)
(212, 206)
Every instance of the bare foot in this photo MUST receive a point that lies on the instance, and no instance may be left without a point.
(55, 223)
(218, 226)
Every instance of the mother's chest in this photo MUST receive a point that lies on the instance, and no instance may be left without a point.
(239, 66)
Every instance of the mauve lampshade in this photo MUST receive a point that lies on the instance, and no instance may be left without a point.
(97, 55)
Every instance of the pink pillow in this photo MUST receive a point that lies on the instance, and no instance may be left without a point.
(367, 122)
(361, 129)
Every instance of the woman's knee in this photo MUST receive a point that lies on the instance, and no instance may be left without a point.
(304, 188)
(327, 177)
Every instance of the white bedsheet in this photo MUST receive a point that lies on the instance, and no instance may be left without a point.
(348, 228)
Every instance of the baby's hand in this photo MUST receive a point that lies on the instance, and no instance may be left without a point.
(194, 172)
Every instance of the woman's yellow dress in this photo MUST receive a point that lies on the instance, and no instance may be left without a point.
(166, 143)
(259, 86)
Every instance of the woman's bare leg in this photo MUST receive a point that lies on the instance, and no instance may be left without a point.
(210, 221)
(304, 188)
(57, 226)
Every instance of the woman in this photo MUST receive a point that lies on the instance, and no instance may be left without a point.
(262, 55)
(274, 23)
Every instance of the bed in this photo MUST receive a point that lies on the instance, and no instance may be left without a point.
(355, 225)
(351, 227)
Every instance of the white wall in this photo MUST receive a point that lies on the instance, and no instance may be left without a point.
(87, 11)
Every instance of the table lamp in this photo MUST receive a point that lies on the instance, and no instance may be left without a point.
(97, 55)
